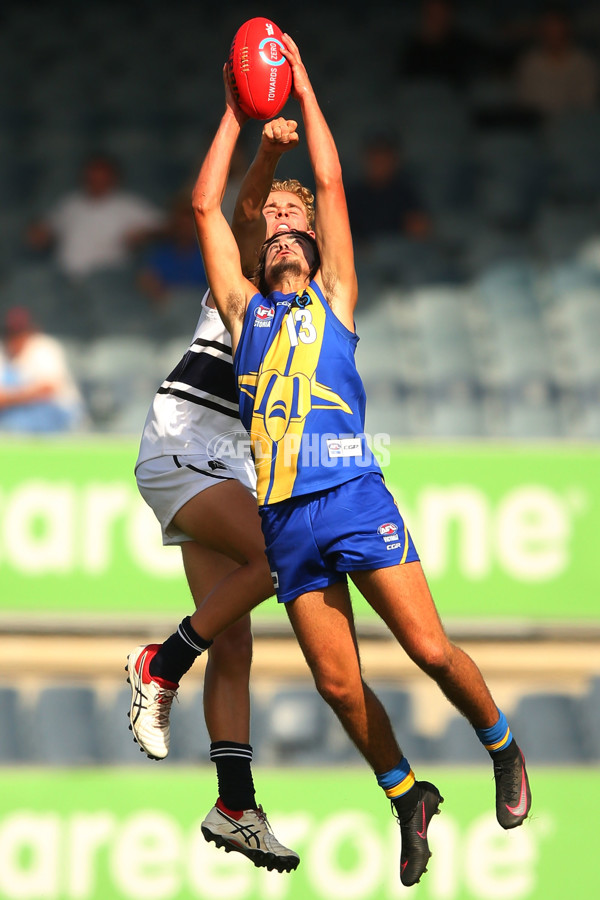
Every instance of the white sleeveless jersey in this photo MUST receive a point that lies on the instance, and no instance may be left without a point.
(195, 410)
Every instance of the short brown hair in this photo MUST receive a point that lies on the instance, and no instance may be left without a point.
(293, 186)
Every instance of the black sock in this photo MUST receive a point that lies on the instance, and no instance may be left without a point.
(510, 752)
(405, 804)
(234, 774)
(178, 653)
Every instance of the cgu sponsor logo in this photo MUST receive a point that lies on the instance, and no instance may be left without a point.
(346, 855)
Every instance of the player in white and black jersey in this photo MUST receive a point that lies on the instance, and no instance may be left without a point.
(195, 415)
(195, 471)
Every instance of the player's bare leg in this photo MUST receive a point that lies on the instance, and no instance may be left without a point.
(225, 562)
(227, 675)
(401, 596)
(225, 557)
(323, 623)
(225, 518)
(228, 551)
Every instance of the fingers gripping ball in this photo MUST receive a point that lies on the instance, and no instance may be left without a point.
(259, 74)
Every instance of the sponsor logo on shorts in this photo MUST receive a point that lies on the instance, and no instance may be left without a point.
(216, 464)
(263, 316)
(388, 528)
(275, 578)
(395, 546)
(390, 537)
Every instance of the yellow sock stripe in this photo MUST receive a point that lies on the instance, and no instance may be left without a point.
(404, 786)
(498, 744)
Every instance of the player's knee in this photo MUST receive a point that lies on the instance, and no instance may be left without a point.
(339, 693)
(260, 573)
(434, 657)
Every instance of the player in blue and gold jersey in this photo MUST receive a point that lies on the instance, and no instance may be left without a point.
(325, 511)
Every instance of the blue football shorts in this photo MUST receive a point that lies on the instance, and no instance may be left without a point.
(313, 540)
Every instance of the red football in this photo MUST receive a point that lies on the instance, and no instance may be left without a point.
(259, 74)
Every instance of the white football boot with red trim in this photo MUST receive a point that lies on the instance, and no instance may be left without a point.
(248, 831)
(151, 701)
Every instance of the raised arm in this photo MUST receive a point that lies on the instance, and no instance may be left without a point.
(337, 274)
(229, 288)
(249, 225)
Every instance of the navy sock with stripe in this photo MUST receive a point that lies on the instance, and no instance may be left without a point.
(234, 774)
(178, 653)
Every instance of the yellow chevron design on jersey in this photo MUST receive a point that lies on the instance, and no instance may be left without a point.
(285, 390)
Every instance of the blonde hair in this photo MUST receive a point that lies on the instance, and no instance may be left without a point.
(293, 186)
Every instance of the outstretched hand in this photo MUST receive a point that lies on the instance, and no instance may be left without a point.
(230, 100)
(280, 135)
(300, 81)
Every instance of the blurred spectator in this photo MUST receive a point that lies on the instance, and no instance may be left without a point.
(385, 200)
(97, 226)
(37, 391)
(439, 50)
(557, 75)
(176, 261)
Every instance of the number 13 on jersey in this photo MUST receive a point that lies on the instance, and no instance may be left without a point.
(307, 333)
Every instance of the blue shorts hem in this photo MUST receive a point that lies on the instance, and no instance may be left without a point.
(385, 562)
(288, 596)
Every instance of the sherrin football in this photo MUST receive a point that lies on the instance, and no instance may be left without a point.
(259, 74)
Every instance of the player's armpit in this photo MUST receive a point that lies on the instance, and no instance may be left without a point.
(235, 305)
(340, 296)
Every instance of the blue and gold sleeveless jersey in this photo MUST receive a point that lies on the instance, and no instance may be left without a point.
(301, 399)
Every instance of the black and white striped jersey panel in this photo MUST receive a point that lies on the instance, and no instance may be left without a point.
(197, 403)
(204, 376)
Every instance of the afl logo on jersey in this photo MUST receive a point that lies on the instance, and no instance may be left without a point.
(388, 528)
(263, 316)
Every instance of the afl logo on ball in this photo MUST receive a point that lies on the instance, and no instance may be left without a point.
(388, 528)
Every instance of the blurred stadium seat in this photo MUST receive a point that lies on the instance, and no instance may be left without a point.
(63, 728)
(11, 733)
(590, 714)
(550, 727)
(398, 703)
(291, 727)
(573, 141)
(116, 745)
(458, 745)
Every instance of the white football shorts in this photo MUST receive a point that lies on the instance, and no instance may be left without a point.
(167, 483)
